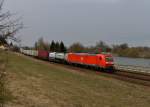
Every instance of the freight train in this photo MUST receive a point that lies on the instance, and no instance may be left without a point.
(102, 62)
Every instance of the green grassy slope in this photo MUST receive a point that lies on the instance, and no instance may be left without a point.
(4, 93)
(36, 84)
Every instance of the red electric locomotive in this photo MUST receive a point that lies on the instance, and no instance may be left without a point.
(102, 61)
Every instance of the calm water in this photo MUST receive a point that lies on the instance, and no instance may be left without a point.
(132, 61)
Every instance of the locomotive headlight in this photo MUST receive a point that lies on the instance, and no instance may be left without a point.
(110, 63)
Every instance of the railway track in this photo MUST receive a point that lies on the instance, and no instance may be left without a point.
(132, 77)
(141, 76)
(133, 68)
(127, 76)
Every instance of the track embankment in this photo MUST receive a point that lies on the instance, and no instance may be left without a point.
(127, 76)
(134, 77)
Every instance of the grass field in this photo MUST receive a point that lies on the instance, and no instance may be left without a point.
(4, 93)
(2, 62)
(34, 83)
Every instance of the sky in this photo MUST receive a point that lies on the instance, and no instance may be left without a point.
(85, 21)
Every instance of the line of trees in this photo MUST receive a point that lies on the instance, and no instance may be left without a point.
(75, 47)
(123, 50)
(98, 48)
(58, 47)
(53, 46)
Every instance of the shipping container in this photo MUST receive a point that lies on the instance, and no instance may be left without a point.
(34, 53)
(52, 56)
(57, 57)
(42, 54)
(60, 56)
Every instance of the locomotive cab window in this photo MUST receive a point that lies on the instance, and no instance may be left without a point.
(109, 59)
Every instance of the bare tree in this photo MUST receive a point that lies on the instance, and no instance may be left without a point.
(76, 47)
(8, 26)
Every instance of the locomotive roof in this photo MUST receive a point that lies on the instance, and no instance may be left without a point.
(93, 54)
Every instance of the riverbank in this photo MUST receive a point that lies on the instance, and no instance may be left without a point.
(132, 52)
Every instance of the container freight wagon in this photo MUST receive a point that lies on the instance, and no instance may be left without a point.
(43, 54)
(25, 52)
(34, 53)
(60, 57)
(104, 61)
(57, 57)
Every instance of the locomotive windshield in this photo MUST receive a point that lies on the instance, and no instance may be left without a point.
(109, 59)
